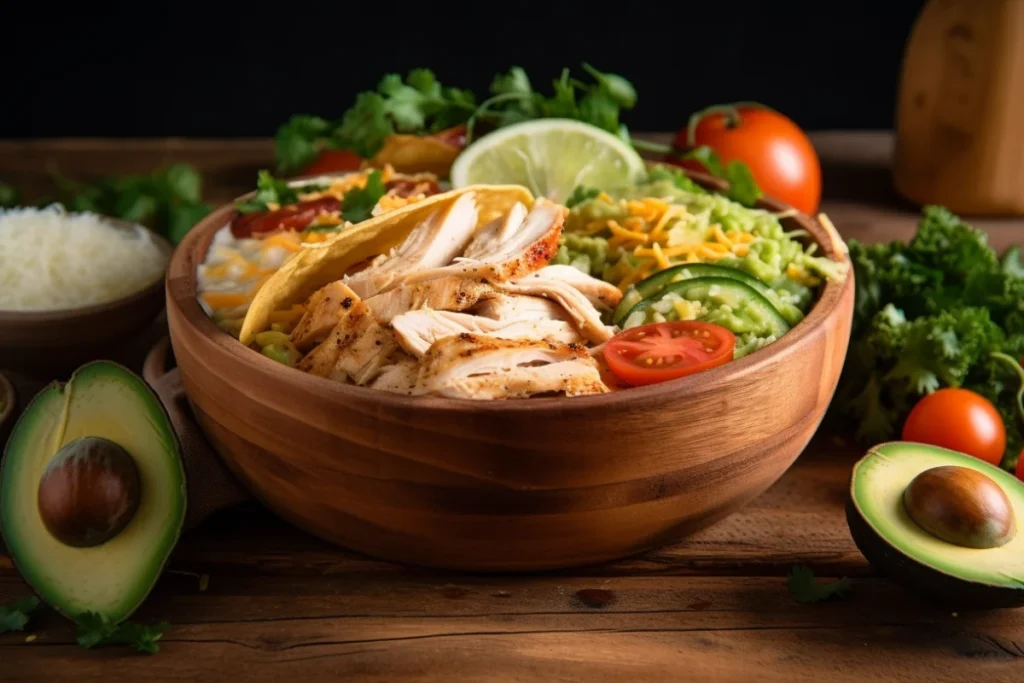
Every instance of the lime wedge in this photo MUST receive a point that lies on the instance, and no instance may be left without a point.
(551, 157)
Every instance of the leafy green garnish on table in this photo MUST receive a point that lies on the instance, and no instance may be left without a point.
(930, 313)
(96, 630)
(420, 104)
(358, 203)
(168, 201)
(15, 616)
(271, 190)
(9, 197)
(806, 589)
(581, 194)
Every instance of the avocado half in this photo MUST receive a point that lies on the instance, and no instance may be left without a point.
(109, 570)
(896, 545)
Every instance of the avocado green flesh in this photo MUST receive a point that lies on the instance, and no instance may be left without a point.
(101, 399)
(879, 481)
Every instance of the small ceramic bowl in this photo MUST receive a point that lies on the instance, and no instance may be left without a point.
(47, 344)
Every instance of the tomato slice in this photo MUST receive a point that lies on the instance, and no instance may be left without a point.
(334, 161)
(658, 352)
(293, 217)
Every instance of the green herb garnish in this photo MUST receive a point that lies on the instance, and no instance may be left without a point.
(96, 630)
(271, 190)
(15, 616)
(358, 203)
(931, 313)
(806, 589)
(420, 104)
(9, 197)
(581, 194)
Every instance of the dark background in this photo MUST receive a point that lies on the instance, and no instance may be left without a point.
(163, 69)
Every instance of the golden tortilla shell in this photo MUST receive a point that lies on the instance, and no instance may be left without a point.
(316, 266)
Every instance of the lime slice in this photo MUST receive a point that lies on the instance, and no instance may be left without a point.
(551, 157)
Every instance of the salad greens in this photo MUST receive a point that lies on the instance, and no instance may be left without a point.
(15, 616)
(806, 589)
(270, 190)
(930, 313)
(96, 630)
(420, 104)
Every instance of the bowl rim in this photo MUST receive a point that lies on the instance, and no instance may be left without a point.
(181, 295)
(56, 314)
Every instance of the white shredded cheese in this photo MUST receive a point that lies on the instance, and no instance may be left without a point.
(53, 260)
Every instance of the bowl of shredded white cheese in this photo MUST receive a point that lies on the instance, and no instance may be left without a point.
(74, 284)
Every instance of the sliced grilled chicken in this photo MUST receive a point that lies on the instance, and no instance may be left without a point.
(399, 376)
(416, 331)
(323, 311)
(586, 318)
(501, 251)
(445, 294)
(431, 244)
(475, 366)
(354, 351)
(513, 307)
(599, 292)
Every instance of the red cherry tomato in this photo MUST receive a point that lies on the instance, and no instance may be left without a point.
(659, 352)
(1020, 466)
(334, 161)
(776, 150)
(959, 420)
(291, 217)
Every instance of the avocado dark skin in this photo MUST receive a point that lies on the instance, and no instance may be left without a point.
(936, 586)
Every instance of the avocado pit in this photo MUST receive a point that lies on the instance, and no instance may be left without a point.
(961, 506)
(89, 492)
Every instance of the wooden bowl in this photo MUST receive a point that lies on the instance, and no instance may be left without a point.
(49, 344)
(515, 485)
(8, 409)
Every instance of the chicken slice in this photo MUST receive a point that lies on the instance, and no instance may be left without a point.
(583, 314)
(445, 294)
(323, 311)
(511, 307)
(431, 244)
(399, 375)
(355, 350)
(599, 292)
(503, 251)
(417, 330)
(481, 367)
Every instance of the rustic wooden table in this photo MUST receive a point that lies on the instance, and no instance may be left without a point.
(282, 605)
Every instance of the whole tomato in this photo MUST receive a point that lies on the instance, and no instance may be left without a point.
(960, 420)
(334, 161)
(776, 150)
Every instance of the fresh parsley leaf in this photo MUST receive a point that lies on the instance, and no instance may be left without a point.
(298, 141)
(563, 103)
(805, 589)
(183, 183)
(15, 616)
(581, 194)
(96, 630)
(365, 126)
(358, 203)
(707, 156)
(617, 87)
(272, 190)
(514, 82)
(599, 109)
(9, 197)
(742, 186)
(1011, 263)
(182, 217)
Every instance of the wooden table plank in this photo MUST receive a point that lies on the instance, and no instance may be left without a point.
(284, 605)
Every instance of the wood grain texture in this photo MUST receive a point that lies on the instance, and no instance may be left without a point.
(284, 605)
(506, 485)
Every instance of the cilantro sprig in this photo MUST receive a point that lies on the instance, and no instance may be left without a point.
(95, 630)
(168, 201)
(15, 616)
(271, 190)
(358, 202)
(420, 104)
(806, 589)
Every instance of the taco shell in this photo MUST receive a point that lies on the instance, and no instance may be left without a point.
(417, 154)
(316, 266)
